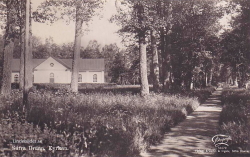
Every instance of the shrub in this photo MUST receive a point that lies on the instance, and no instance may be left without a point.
(51, 86)
(239, 134)
(201, 94)
(235, 117)
(82, 86)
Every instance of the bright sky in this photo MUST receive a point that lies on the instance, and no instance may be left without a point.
(99, 29)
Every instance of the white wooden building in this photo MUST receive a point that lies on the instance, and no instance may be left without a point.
(53, 70)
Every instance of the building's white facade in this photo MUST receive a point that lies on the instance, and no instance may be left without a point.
(53, 70)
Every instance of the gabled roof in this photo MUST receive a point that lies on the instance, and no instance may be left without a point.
(85, 64)
(16, 63)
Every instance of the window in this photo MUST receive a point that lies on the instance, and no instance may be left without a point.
(94, 78)
(16, 78)
(51, 75)
(51, 79)
(80, 78)
(51, 64)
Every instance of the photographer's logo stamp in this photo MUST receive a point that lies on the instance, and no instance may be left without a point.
(221, 140)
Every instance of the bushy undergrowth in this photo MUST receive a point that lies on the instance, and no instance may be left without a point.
(235, 117)
(201, 94)
(103, 124)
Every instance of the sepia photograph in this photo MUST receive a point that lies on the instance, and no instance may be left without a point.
(124, 78)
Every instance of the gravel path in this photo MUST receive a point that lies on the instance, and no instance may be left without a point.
(192, 137)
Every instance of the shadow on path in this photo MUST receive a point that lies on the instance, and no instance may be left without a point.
(192, 137)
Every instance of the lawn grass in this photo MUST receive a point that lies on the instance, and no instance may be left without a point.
(104, 124)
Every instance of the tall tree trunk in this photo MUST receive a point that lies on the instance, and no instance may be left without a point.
(27, 61)
(143, 65)
(7, 56)
(167, 60)
(142, 51)
(192, 83)
(188, 80)
(21, 74)
(236, 81)
(165, 50)
(206, 79)
(155, 62)
(22, 42)
(210, 76)
(166, 45)
(8, 47)
(30, 82)
(163, 55)
(76, 54)
(169, 45)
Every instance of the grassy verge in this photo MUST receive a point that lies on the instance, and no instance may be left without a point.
(235, 117)
(104, 124)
